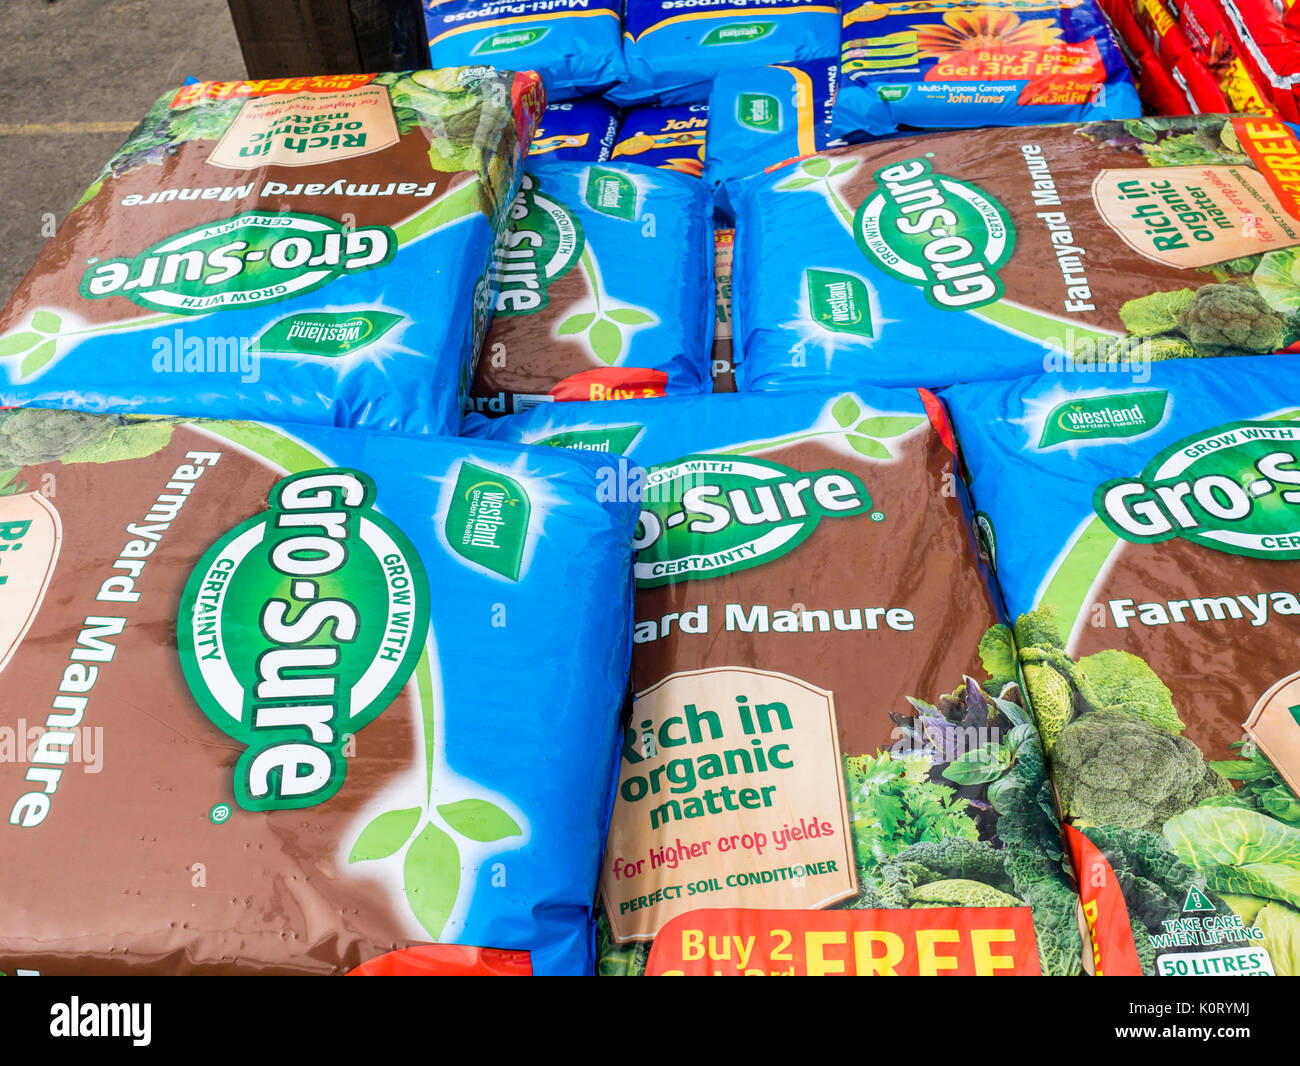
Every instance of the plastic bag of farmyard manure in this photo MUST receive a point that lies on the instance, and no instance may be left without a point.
(724, 372)
(1147, 532)
(668, 137)
(577, 131)
(673, 54)
(604, 289)
(761, 116)
(271, 685)
(819, 766)
(574, 44)
(987, 254)
(968, 63)
(297, 249)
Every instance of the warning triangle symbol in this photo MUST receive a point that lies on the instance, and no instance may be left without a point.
(1197, 901)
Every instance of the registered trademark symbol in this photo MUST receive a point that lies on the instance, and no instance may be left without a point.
(220, 814)
(877, 516)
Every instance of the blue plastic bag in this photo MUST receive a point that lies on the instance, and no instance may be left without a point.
(674, 50)
(793, 549)
(762, 116)
(969, 63)
(577, 131)
(309, 650)
(604, 289)
(574, 44)
(1146, 530)
(300, 250)
(981, 254)
(669, 137)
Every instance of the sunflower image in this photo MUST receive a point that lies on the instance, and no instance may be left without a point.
(983, 28)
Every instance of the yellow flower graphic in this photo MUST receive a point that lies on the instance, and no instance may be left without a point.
(981, 28)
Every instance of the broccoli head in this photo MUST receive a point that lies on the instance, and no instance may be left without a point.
(29, 435)
(1231, 317)
(1122, 682)
(1120, 771)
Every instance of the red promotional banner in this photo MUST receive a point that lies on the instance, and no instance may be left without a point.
(957, 941)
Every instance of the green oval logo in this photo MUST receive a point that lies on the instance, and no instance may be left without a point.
(738, 33)
(1234, 489)
(945, 236)
(298, 628)
(253, 258)
(704, 516)
(508, 41)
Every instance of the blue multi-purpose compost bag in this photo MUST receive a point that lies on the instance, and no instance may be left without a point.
(794, 552)
(604, 288)
(574, 44)
(1146, 530)
(576, 131)
(970, 63)
(668, 137)
(674, 48)
(972, 255)
(363, 695)
(295, 249)
(762, 116)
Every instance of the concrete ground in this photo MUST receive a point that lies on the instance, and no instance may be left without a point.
(75, 77)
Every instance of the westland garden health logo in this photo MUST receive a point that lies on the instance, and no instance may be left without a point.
(1113, 416)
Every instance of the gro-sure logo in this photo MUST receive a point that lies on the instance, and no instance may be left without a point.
(508, 41)
(1235, 489)
(704, 516)
(249, 259)
(738, 33)
(543, 243)
(944, 235)
(298, 628)
(1110, 417)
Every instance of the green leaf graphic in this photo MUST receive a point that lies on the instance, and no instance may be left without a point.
(382, 837)
(47, 322)
(606, 341)
(40, 355)
(431, 875)
(17, 343)
(842, 168)
(796, 183)
(818, 166)
(630, 316)
(845, 411)
(575, 324)
(868, 447)
(479, 820)
(887, 426)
